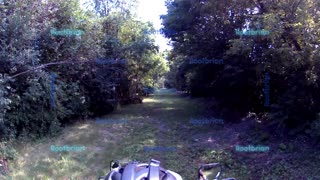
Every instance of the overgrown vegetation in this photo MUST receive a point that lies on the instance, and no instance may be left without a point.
(290, 53)
(30, 54)
(116, 62)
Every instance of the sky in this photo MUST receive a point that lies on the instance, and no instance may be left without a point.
(150, 10)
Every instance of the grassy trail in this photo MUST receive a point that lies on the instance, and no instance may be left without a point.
(161, 121)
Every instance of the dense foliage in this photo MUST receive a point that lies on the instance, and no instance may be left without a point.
(290, 53)
(89, 78)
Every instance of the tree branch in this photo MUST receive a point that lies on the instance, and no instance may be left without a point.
(46, 65)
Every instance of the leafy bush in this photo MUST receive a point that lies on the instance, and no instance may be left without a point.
(71, 103)
(7, 151)
(29, 53)
(314, 130)
(31, 112)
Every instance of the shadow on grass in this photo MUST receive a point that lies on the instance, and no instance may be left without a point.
(161, 121)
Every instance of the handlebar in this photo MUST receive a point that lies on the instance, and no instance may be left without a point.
(153, 169)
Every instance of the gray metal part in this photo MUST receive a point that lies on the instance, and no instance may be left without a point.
(154, 168)
(128, 173)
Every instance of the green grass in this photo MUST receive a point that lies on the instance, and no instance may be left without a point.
(156, 122)
(162, 120)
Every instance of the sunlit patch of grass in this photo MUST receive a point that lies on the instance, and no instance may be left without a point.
(84, 126)
(63, 166)
(124, 142)
(149, 100)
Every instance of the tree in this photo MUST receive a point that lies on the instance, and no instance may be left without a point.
(206, 29)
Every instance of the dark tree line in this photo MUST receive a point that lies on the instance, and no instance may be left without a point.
(290, 53)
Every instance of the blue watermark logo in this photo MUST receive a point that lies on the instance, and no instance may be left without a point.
(53, 90)
(203, 121)
(111, 61)
(159, 149)
(160, 31)
(66, 32)
(252, 32)
(110, 121)
(266, 90)
(252, 148)
(206, 61)
(67, 148)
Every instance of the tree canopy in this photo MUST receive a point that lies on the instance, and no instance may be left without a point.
(96, 70)
(289, 53)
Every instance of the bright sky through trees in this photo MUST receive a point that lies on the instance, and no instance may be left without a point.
(150, 10)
